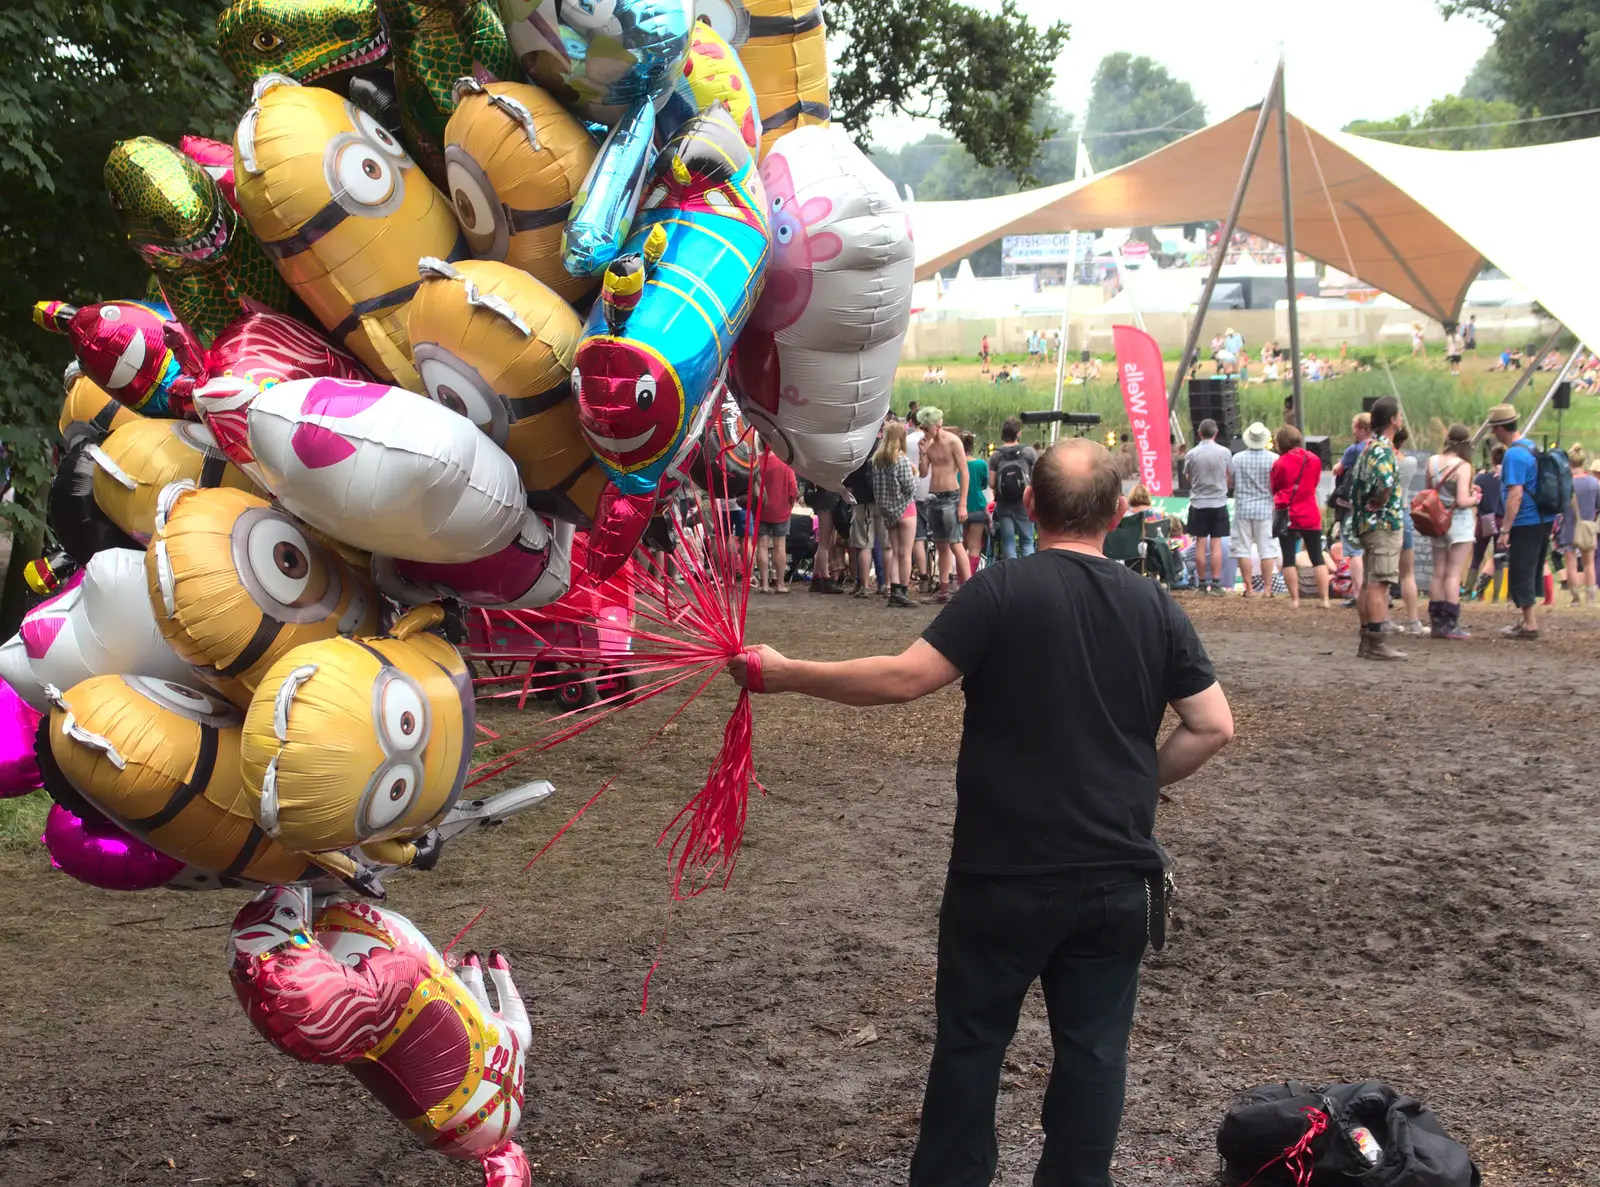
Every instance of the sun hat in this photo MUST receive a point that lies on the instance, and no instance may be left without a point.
(1594, 465)
(1502, 414)
(1257, 436)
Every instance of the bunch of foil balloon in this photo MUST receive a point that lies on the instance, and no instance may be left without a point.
(473, 296)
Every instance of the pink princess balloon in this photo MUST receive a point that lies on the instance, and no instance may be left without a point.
(19, 721)
(95, 851)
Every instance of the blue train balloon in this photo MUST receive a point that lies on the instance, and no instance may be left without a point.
(670, 308)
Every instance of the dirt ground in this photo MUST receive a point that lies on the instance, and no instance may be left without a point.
(1391, 873)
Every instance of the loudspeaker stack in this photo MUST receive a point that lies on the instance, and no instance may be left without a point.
(1215, 398)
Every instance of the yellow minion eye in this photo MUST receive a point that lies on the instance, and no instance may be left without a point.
(365, 176)
(404, 719)
(379, 135)
(392, 792)
(266, 41)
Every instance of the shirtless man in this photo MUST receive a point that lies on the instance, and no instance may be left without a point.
(943, 462)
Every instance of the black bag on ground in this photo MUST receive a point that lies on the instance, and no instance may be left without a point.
(1263, 1139)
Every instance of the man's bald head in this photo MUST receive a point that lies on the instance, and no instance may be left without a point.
(1076, 488)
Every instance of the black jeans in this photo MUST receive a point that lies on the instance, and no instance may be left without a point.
(1530, 545)
(1083, 935)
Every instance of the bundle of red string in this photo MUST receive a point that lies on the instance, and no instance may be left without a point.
(677, 630)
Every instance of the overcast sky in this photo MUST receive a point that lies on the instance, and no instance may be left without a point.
(1348, 59)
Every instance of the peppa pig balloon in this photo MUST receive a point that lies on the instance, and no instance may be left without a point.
(815, 367)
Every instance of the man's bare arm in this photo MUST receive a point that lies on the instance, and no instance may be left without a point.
(1205, 726)
(874, 680)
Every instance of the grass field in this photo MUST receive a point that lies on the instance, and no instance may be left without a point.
(22, 820)
(1432, 398)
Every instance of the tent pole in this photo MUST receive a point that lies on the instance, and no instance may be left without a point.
(1066, 331)
(1522, 381)
(1082, 168)
(1288, 251)
(1227, 236)
(1550, 392)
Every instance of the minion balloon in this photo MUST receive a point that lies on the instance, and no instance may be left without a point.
(360, 742)
(613, 62)
(162, 761)
(89, 412)
(515, 160)
(235, 584)
(495, 345)
(344, 213)
(138, 461)
(783, 46)
(670, 309)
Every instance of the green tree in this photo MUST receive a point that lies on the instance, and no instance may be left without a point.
(977, 73)
(909, 164)
(1129, 93)
(1486, 80)
(76, 77)
(1547, 53)
(957, 174)
(1452, 122)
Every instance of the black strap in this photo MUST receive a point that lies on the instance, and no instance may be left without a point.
(102, 419)
(266, 631)
(393, 297)
(205, 762)
(247, 852)
(212, 470)
(526, 406)
(795, 111)
(784, 26)
(532, 220)
(578, 472)
(314, 228)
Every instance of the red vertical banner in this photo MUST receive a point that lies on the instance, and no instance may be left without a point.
(1144, 392)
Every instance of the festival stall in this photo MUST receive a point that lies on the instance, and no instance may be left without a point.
(475, 309)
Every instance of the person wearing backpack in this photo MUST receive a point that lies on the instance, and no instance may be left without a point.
(1011, 470)
(1534, 494)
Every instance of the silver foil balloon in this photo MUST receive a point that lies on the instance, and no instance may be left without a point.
(603, 209)
(601, 57)
(613, 62)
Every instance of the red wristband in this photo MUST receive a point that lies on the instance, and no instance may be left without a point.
(752, 679)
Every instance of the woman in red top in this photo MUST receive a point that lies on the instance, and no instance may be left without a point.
(1294, 481)
(777, 492)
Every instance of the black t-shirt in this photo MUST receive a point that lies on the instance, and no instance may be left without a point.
(1069, 662)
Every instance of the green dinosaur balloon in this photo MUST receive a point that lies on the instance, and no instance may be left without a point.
(312, 41)
(435, 43)
(208, 263)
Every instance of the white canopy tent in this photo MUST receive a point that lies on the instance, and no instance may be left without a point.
(1418, 223)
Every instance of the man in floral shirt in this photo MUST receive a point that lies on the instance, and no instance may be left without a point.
(1376, 522)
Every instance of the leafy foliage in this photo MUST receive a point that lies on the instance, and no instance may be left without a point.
(1547, 55)
(77, 77)
(1453, 116)
(1130, 93)
(978, 73)
(1486, 80)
